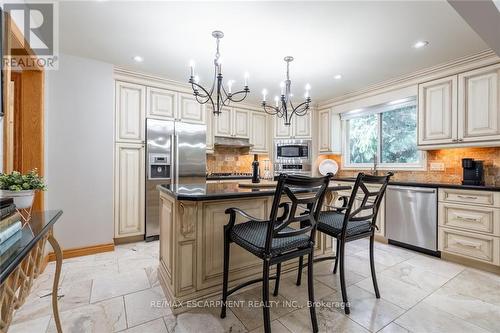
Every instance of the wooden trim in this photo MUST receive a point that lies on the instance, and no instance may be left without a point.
(470, 262)
(83, 251)
(129, 239)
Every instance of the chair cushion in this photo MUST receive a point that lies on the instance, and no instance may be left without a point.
(251, 236)
(331, 223)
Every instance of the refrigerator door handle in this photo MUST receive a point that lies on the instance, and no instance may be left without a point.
(176, 159)
(172, 147)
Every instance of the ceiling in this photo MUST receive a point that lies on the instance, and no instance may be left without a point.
(365, 42)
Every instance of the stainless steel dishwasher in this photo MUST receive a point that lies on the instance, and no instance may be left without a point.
(411, 218)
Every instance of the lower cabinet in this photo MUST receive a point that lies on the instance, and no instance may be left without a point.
(129, 189)
(469, 224)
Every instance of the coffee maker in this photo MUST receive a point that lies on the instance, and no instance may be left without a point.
(473, 172)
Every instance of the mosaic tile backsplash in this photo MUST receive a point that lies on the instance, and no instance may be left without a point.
(232, 160)
(452, 160)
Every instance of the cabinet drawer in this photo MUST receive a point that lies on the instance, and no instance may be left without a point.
(474, 246)
(473, 218)
(470, 197)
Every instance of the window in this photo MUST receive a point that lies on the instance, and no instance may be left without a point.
(387, 133)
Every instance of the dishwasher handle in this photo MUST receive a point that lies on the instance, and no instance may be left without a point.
(409, 189)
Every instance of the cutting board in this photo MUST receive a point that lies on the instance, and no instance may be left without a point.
(262, 184)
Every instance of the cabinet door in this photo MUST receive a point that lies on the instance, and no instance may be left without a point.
(130, 107)
(281, 130)
(161, 103)
(190, 110)
(223, 123)
(478, 105)
(129, 189)
(210, 131)
(437, 111)
(302, 126)
(324, 131)
(336, 133)
(241, 126)
(259, 132)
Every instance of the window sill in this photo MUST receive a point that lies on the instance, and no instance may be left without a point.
(385, 168)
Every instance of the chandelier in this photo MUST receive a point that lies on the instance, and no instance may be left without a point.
(217, 96)
(284, 107)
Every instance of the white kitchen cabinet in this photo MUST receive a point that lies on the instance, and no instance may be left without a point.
(130, 108)
(478, 104)
(233, 123)
(210, 132)
(329, 132)
(129, 189)
(437, 111)
(259, 133)
(161, 103)
(300, 127)
(190, 110)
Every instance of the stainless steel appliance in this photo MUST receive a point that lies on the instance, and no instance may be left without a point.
(292, 156)
(411, 218)
(175, 154)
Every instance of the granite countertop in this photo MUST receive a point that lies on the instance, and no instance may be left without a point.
(221, 191)
(430, 184)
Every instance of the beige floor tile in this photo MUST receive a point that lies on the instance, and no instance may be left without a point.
(39, 302)
(155, 326)
(323, 272)
(133, 262)
(88, 271)
(152, 273)
(482, 285)
(393, 328)
(329, 320)
(470, 309)
(395, 291)
(38, 325)
(251, 314)
(105, 316)
(382, 257)
(402, 252)
(361, 265)
(425, 318)
(439, 266)
(366, 310)
(204, 320)
(416, 276)
(299, 294)
(276, 327)
(146, 305)
(118, 284)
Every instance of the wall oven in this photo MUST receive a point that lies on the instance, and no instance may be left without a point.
(292, 157)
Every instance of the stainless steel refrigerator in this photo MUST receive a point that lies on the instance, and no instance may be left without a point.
(175, 154)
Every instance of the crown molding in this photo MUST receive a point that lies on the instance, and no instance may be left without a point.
(481, 59)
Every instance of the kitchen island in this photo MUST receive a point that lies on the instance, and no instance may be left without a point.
(192, 217)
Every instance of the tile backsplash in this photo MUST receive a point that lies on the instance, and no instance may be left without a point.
(452, 161)
(232, 160)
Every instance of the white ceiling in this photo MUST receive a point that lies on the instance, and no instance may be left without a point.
(366, 42)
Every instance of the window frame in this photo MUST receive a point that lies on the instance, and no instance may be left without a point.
(347, 164)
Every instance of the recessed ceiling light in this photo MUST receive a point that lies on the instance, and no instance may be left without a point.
(338, 77)
(138, 59)
(420, 44)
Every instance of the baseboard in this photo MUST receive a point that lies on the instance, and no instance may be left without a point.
(471, 263)
(129, 239)
(83, 251)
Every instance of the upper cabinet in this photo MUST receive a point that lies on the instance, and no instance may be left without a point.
(190, 110)
(329, 132)
(300, 127)
(437, 111)
(161, 103)
(232, 122)
(259, 132)
(478, 104)
(130, 112)
(460, 110)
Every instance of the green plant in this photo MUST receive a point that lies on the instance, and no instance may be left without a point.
(16, 181)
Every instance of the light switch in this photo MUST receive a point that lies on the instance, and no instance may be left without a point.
(437, 166)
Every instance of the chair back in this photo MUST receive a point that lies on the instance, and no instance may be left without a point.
(303, 208)
(370, 200)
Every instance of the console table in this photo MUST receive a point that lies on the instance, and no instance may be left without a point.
(21, 264)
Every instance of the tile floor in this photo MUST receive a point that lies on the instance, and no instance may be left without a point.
(114, 292)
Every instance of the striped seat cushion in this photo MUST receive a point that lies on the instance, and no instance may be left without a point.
(331, 223)
(252, 237)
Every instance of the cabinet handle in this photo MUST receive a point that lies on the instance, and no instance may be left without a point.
(467, 197)
(460, 140)
(468, 219)
(468, 244)
(454, 140)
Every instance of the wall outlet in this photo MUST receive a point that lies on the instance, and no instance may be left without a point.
(437, 166)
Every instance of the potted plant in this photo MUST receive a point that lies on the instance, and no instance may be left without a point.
(21, 187)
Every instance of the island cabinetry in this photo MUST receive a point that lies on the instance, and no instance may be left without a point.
(191, 247)
(469, 224)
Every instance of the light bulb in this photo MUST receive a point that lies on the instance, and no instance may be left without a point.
(196, 79)
(191, 65)
(264, 94)
(277, 100)
(246, 79)
(230, 85)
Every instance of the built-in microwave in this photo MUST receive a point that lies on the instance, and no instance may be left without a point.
(295, 150)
